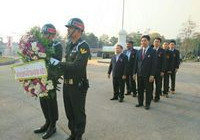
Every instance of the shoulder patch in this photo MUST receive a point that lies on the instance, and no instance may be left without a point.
(83, 51)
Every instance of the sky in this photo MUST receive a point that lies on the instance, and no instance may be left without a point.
(99, 16)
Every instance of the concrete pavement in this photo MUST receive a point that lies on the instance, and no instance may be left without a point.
(175, 118)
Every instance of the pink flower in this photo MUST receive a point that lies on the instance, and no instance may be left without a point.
(26, 88)
(35, 81)
(28, 44)
(41, 48)
(43, 88)
(33, 91)
(24, 52)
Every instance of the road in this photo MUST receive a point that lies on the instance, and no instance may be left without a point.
(175, 118)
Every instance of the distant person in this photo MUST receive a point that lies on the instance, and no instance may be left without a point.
(118, 67)
(168, 68)
(175, 64)
(145, 69)
(160, 69)
(130, 52)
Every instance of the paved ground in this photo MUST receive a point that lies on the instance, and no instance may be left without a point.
(175, 118)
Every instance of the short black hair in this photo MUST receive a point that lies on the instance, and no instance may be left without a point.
(166, 42)
(120, 46)
(147, 37)
(172, 41)
(158, 38)
(131, 42)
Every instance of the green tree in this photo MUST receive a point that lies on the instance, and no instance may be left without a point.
(155, 35)
(113, 40)
(104, 40)
(187, 36)
(91, 39)
(135, 37)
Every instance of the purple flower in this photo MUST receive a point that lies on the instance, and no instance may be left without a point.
(41, 48)
(35, 81)
(43, 88)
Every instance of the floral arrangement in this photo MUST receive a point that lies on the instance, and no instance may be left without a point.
(33, 46)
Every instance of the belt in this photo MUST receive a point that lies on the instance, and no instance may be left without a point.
(69, 81)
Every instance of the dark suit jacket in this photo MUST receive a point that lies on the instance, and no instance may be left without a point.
(131, 61)
(175, 60)
(169, 58)
(161, 61)
(118, 68)
(147, 66)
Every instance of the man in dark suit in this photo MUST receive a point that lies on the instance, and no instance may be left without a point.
(168, 68)
(160, 69)
(130, 52)
(175, 64)
(145, 69)
(118, 66)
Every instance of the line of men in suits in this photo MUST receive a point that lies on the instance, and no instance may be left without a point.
(151, 64)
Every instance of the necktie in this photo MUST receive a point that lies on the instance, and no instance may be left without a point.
(143, 53)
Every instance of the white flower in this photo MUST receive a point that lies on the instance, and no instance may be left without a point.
(37, 92)
(36, 52)
(35, 58)
(40, 54)
(49, 87)
(44, 55)
(37, 87)
(26, 83)
(44, 81)
(43, 94)
(30, 88)
(49, 82)
(34, 46)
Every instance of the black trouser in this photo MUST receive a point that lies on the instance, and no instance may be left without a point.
(166, 83)
(50, 109)
(158, 82)
(118, 87)
(74, 103)
(130, 84)
(143, 83)
(173, 80)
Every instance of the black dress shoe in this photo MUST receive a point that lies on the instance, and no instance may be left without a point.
(156, 100)
(138, 105)
(49, 133)
(71, 137)
(114, 98)
(42, 129)
(121, 100)
(128, 93)
(78, 137)
(134, 95)
(147, 107)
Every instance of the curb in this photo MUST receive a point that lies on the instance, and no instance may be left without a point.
(8, 63)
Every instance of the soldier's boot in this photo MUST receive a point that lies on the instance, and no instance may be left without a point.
(78, 137)
(71, 137)
(42, 128)
(50, 131)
